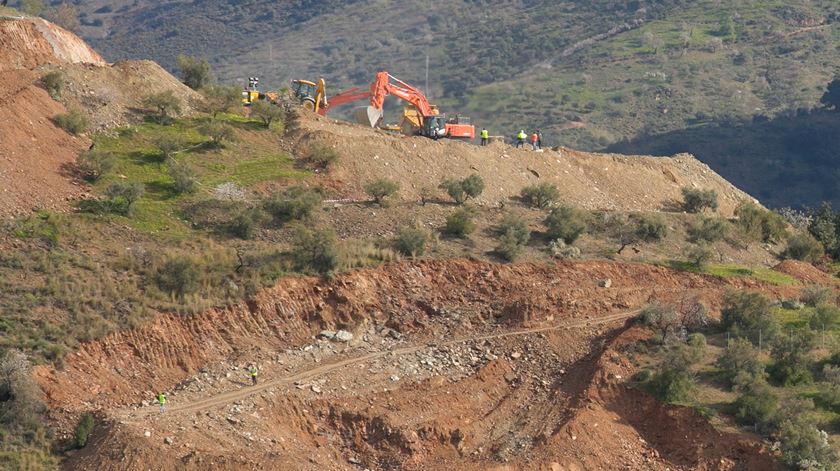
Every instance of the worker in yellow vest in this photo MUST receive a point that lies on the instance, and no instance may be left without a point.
(161, 399)
(485, 136)
(520, 138)
(253, 372)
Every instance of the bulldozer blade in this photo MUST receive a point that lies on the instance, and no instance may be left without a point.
(368, 115)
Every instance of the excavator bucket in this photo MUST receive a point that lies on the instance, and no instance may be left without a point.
(368, 115)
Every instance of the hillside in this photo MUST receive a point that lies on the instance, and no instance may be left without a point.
(404, 303)
(589, 74)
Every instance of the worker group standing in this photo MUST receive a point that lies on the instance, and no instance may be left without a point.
(535, 139)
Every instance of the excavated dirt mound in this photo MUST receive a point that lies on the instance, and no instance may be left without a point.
(36, 157)
(592, 181)
(806, 273)
(112, 96)
(26, 43)
(436, 373)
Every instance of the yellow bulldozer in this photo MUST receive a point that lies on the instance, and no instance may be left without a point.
(313, 96)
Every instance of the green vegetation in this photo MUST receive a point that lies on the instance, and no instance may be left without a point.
(164, 104)
(267, 112)
(565, 223)
(514, 235)
(540, 196)
(83, 430)
(74, 122)
(54, 83)
(748, 314)
(292, 204)
(760, 224)
(194, 72)
(315, 251)
(222, 99)
(460, 190)
(696, 200)
(411, 241)
(380, 189)
(322, 156)
(460, 223)
(803, 247)
(93, 164)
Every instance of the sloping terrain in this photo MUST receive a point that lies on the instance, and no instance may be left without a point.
(592, 181)
(36, 156)
(455, 363)
(589, 74)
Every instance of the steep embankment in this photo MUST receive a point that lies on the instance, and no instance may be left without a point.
(592, 181)
(36, 156)
(452, 363)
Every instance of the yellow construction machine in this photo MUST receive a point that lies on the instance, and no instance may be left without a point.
(252, 93)
(313, 96)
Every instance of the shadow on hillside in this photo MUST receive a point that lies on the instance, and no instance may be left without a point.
(787, 161)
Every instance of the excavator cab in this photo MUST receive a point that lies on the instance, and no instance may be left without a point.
(310, 94)
(434, 126)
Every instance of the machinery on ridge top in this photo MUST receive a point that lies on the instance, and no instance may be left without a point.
(419, 117)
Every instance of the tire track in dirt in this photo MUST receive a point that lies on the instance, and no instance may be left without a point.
(228, 397)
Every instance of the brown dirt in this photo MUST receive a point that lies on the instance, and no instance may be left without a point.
(36, 156)
(454, 364)
(806, 273)
(592, 181)
(31, 42)
(112, 95)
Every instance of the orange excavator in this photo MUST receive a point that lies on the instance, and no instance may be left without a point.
(419, 117)
(347, 96)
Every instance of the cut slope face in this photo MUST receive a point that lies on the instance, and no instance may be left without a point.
(452, 365)
(27, 43)
(36, 157)
(592, 181)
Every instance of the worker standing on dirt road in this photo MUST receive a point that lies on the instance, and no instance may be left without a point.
(252, 370)
(520, 138)
(539, 139)
(485, 136)
(161, 399)
(534, 138)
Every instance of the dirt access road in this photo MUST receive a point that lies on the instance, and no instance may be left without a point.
(453, 364)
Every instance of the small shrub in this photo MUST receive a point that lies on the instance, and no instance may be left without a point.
(315, 250)
(699, 255)
(93, 164)
(195, 73)
(749, 315)
(54, 84)
(127, 191)
(292, 204)
(460, 190)
(218, 132)
(709, 230)
(662, 318)
(565, 223)
(696, 200)
(760, 224)
(816, 295)
(412, 241)
(73, 122)
(455, 190)
(103, 206)
(267, 112)
(322, 156)
(791, 354)
(540, 196)
(165, 105)
(674, 381)
(740, 357)
(83, 430)
(169, 145)
(183, 178)
(222, 99)
(825, 316)
(245, 224)
(380, 189)
(756, 403)
(178, 275)
(803, 247)
(560, 249)
(514, 235)
(651, 228)
(804, 446)
(473, 185)
(427, 194)
(460, 223)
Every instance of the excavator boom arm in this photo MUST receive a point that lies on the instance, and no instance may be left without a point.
(383, 87)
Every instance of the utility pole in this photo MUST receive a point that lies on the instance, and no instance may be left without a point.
(428, 92)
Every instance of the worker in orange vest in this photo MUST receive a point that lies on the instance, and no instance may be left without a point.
(534, 138)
